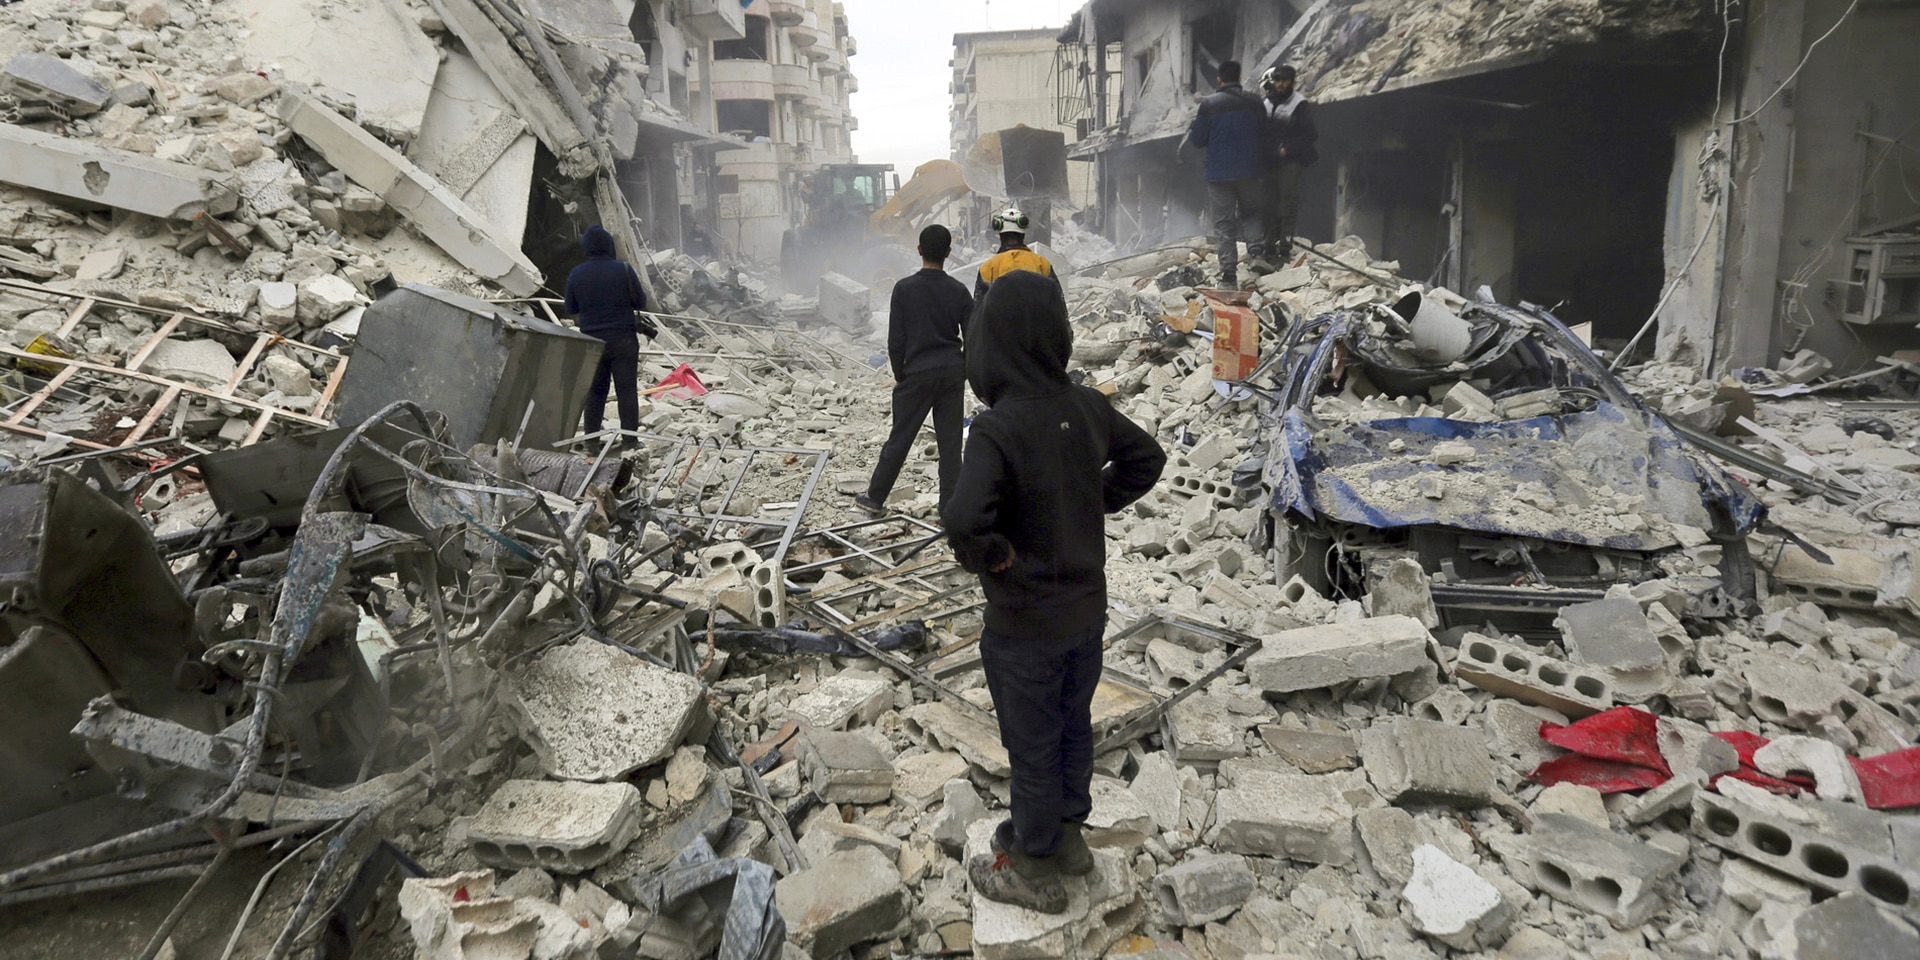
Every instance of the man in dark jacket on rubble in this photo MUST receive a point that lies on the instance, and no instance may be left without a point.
(1229, 127)
(606, 299)
(1290, 145)
(1043, 466)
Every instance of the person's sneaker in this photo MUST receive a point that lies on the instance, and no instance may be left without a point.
(997, 877)
(1257, 266)
(1075, 859)
(869, 504)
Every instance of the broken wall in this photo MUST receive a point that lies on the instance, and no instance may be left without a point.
(471, 139)
(371, 50)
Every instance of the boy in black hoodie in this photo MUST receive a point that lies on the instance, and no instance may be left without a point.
(1043, 466)
(605, 297)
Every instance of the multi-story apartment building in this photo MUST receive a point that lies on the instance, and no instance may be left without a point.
(1004, 79)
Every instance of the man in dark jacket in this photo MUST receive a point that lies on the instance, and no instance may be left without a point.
(1291, 148)
(605, 297)
(1044, 465)
(1228, 127)
(925, 321)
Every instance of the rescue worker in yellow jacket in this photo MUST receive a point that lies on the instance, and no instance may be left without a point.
(1011, 224)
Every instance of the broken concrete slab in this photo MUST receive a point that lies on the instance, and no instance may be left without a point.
(279, 303)
(1311, 658)
(1102, 908)
(1404, 589)
(1846, 927)
(849, 898)
(592, 712)
(372, 52)
(563, 827)
(1312, 752)
(840, 700)
(1420, 761)
(1686, 745)
(1202, 731)
(942, 724)
(1157, 785)
(1594, 869)
(845, 767)
(919, 780)
(40, 76)
(960, 809)
(1790, 693)
(1573, 800)
(204, 362)
(1119, 818)
(94, 174)
(1676, 794)
(1530, 677)
(1753, 886)
(1271, 814)
(1452, 904)
(1203, 889)
(324, 297)
(445, 219)
(1828, 765)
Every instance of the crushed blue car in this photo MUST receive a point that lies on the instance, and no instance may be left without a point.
(1520, 473)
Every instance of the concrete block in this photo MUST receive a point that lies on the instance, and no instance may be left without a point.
(1157, 784)
(1312, 752)
(446, 219)
(840, 701)
(1462, 402)
(1611, 633)
(1846, 927)
(846, 899)
(1222, 494)
(1200, 730)
(845, 767)
(564, 827)
(943, 725)
(204, 362)
(457, 916)
(1310, 658)
(845, 302)
(1389, 836)
(1270, 814)
(39, 76)
(1676, 794)
(1791, 693)
(960, 809)
(1202, 889)
(95, 174)
(1119, 818)
(1533, 403)
(919, 780)
(769, 583)
(102, 264)
(1828, 765)
(152, 14)
(1209, 453)
(1573, 800)
(1594, 869)
(592, 712)
(324, 297)
(1686, 745)
(1803, 625)
(1102, 908)
(1404, 589)
(1811, 857)
(1420, 761)
(1530, 677)
(1452, 904)
(279, 304)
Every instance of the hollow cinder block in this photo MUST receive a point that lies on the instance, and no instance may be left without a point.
(1816, 860)
(1531, 677)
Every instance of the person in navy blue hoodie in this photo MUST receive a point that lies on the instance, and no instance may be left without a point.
(1044, 464)
(1229, 127)
(605, 297)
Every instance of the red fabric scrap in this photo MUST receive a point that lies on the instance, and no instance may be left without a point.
(1747, 744)
(1606, 776)
(1623, 734)
(1891, 780)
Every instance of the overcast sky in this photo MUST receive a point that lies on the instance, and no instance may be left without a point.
(902, 67)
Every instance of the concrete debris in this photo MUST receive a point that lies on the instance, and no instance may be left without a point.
(1419, 761)
(1452, 904)
(594, 713)
(1313, 657)
(849, 898)
(98, 175)
(562, 827)
(1203, 889)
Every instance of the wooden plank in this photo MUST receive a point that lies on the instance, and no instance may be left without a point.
(259, 427)
(333, 387)
(246, 363)
(42, 396)
(42, 435)
(49, 293)
(153, 415)
(146, 350)
(6, 351)
(73, 319)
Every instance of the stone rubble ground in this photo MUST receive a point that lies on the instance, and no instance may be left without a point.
(1357, 789)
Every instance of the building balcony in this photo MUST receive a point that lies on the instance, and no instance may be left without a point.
(850, 46)
(786, 13)
(806, 33)
(792, 81)
(812, 104)
(834, 64)
(743, 80)
(853, 83)
(853, 122)
(818, 52)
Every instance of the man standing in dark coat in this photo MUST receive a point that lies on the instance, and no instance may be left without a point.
(1044, 465)
(925, 322)
(1291, 148)
(606, 299)
(1228, 127)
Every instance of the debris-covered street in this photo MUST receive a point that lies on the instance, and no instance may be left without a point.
(1453, 627)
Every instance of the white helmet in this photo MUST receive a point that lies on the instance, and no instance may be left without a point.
(1010, 220)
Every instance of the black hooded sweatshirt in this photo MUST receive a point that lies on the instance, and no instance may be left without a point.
(1042, 468)
(603, 293)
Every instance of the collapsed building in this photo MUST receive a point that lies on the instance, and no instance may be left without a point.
(1439, 638)
(1733, 170)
